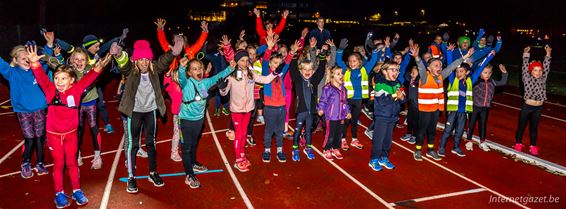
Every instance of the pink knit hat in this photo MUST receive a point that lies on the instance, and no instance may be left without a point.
(142, 50)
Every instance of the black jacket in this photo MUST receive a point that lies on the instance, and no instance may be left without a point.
(297, 85)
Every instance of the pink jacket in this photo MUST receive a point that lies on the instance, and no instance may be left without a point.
(175, 92)
(242, 91)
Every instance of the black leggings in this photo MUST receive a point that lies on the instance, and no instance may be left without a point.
(412, 118)
(135, 123)
(355, 110)
(332, 136)
(529, 114)
(191, 132)
(427, 126)
(481, 113)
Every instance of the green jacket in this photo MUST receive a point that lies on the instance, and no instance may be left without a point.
(92, 94)
(126, 67)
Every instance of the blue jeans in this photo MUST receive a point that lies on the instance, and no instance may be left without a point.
(455, 120)
(304, 119)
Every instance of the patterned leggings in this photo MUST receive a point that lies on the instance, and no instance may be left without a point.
(33, 129)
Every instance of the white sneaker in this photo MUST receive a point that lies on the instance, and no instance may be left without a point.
(96, 163)
(176, 157)
(141, 153)
(260, 119)
(80, 160)
(484, 147)
(469, 146)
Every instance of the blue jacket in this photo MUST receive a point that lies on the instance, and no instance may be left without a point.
(25, 93)
(386, 108)
(321, 36)
(355, 76)
(265, 72)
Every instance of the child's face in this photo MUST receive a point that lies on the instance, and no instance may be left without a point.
(465, 44)
(63, 81)
(94, 48)
(461, 73)
(243, 63)
(414, 72)
(353, 62)
(486, 73)
(537, 72)
(274, 63)
(252, 53)
(79, 61)
(438, 40)
(143, 64)
(283, 51)
(435, 67)
(482, 41)
(307, 71)
(337, 77)
(22, 60)
(268, 26)
(427, 56)
(397, 59)
(243, 45)
(391, 73)
(196, 70)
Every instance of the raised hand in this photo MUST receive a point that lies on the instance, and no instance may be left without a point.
(204, 26)
(498, 38)
(50, 38)
(233, 64)
(502, 68)
(304, 33)
(225, 41)
(102, 63)
(177, 46)
(183, 62)
(285, 14)
(57, 50)
(242, 34)
(492, 52)
(330, 42)
(451, 47)
(295, 47)
(469, 54)
(445, 36)
(415, 51)
(411, 43)
(160, 23)
(387, 41)
(208, 68)
(124, 33)
(312, 42)
(396, 37)
(527, 49)
(270, 40)
(115, 49)
(343, 44)
(256, 12)
(32, 54)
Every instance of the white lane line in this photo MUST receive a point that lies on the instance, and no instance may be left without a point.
(6, 113)
(459, 175)
(422, 199)
(365, 188)
(4, 102)
(543, 115)
(108, 188)
(11, 152)
(552, 103)
(228, 166)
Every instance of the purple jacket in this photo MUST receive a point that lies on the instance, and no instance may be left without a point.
(333, 103)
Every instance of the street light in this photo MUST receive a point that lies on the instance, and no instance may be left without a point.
(422, 12)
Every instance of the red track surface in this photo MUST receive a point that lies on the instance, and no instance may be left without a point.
(308, 183)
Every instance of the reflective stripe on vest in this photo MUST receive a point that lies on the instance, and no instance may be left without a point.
(350, 87)
(454, 94)
(431, 94)
(257, 69)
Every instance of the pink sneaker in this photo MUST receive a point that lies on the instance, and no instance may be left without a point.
(328, 155)
(247, 162)
(356, 143)
(518, 147)
(336, 153)
(344, 145)
(240, 165)
(534, 150)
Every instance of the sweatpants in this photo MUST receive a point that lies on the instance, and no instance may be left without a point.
(175, 139)
(274, 125)
(63, 150)
(91, 115)
(412, 118)
(529, 115)
(135, 123)
(355, 110)
(382, 137)
(427, 127)
(191, 130)
(304, 119)
(480, 113)
(33, 129)
(333, 134)
(241, 121)
(455, 121)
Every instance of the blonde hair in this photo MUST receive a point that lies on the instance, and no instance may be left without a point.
(14, 53)
(358, 56)
(330, 73)
(201, 65)
(358, 48)
(389, 64)
(305, 63)
(78, 50)
(137, 70)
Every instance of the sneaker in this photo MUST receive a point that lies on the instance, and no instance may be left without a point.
(336, 153)
(518, 147)
(250, 140)
(328, 155)
(458, 152)
(79, 197)
(26, 171)
(217, 112)
(441, 152)
(366, 112)
(356, 143)
(469, 146)
(344, 145)
(484, 147)
(176, 157)
(61, 200)
(407, 137)
(247, 162)
(41, 170)
(533, 150)
(230, 135)
(418, 155)
(369, 134)
(155, 179)
(192, 181)
(197, 167)
(266, 157)
(412, 140)
(225, 111)
(308, 152)
(386, 163)
(108, 128)
(374, 165)
(288, 134)
(296, 156)
(240, 165)
(96, 163)
(260, 119)
(281, 157)
(432, 154)
(141, 153)
(80, 160)
(132, 185)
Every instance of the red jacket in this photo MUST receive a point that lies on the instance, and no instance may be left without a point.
(263, 34)
(61, 119)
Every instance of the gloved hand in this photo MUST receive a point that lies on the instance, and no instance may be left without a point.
(445, 36)
(343, 44)
(124, 34)
(222, 83)
(490, 40)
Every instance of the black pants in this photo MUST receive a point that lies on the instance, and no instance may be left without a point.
(355, 110)
(135, 123)
(191, 131)
(32, 144)
(427, 126)
(274, 125)
(101, 106)
(412, 118)
(529, 114)
(305, 120)
(382, 137)
(480, 113)
(333, 134)
(455, 121)
(250, 124)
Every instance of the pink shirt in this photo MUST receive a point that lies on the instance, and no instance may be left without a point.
(175, 92)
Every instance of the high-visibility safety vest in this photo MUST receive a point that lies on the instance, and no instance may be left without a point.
(431, 94)
(350, 87)
(454, 94)
(257, 69)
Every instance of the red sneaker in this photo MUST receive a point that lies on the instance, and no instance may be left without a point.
(344, 145)
(336, 153)
(356, 143)
(533, 150)
(518, 147)
(328, 155)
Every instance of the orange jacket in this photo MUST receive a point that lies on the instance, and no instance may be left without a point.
(190, 51)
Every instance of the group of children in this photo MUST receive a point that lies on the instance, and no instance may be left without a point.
(328, 92)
